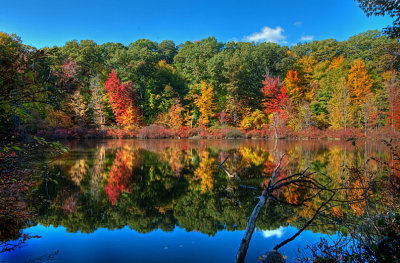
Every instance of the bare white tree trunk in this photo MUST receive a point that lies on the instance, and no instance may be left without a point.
(251, 222)
(275, 126)
(365, 119)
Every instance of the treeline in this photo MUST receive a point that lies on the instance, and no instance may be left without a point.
(324, 85)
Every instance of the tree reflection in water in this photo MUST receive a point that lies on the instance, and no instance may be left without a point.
(163, 184)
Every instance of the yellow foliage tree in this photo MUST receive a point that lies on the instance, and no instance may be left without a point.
(307, 64)
(205, 102)
(164, 66)
(360, 84)
(339, 106)
(79, 107)
(205, 172)
(58, 119)
(78, 170)
(255, 120)
(359, 81)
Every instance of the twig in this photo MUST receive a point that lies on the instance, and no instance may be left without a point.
(305, 225)
(226, 158)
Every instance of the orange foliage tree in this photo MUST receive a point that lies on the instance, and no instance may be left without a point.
(175, 114)
(294, 86)
(298, 82)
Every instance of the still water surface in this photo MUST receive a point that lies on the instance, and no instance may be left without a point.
(167, 201)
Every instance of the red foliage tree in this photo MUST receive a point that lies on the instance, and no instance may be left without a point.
(68, 69)
(67, 76)
(393, 92)
(120, 176)
(223, 117)
(275, 99)
(122, 98)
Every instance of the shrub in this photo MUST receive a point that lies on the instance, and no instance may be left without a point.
(226, 132)
(311, 133)
(155, 131)
(116, 133)
(186, 132)
(348, 134)
(253, 134)
(267, 132)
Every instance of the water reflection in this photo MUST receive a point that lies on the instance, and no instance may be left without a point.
(153, 184)
(277, 232)
(150, 185)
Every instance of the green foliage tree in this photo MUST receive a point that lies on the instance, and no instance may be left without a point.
(382, 8)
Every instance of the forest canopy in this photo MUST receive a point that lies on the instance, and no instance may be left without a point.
(327, 84)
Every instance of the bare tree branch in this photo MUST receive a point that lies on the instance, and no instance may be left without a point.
(305, 225)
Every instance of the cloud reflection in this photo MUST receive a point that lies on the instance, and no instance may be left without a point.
(278, 233)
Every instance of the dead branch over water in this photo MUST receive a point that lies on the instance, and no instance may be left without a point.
(302, 179)
(251, 222)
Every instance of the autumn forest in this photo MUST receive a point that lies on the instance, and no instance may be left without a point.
(255, 132)
(205, 88)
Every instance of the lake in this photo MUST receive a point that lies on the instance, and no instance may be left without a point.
(167, 201)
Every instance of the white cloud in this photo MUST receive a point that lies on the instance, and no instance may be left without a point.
(267, 34)
(277, 232)
(307, 38)
(298, 23)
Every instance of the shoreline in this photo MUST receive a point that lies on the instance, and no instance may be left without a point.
(216, 132)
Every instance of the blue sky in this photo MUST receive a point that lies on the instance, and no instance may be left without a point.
(47, 23)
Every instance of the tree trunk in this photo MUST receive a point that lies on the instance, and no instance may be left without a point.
(100, 108)
(392, 116)
(345, 111)
(251, 222)
(365, 119)
(275, 128)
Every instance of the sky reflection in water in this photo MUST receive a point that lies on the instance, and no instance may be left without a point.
(126, 245)
(166, 200)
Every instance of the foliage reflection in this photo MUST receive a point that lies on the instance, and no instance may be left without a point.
(150, 185)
